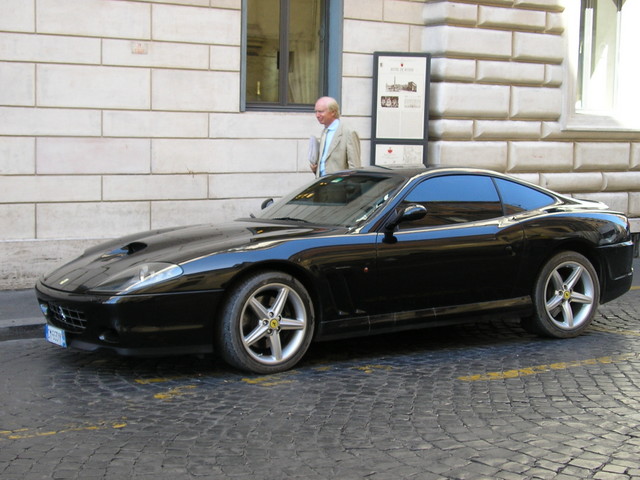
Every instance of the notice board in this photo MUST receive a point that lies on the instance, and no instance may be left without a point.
(400, 118)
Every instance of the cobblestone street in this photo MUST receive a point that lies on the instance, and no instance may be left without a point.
(484, 401)
(258, 182)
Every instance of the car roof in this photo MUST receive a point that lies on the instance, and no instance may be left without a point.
(411, 171)
(414, 173)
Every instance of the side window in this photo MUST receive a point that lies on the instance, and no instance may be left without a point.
(454, 199)
(520, 198)
(285, 53)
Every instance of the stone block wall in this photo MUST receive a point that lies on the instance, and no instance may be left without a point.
(124, 116)
(501, 98)
(119, 116)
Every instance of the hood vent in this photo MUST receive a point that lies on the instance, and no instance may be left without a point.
(128, 249)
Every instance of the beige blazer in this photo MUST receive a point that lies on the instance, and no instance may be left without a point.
(344, 151)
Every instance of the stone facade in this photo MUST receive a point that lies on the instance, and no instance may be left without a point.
(502, 95)
(122, 116)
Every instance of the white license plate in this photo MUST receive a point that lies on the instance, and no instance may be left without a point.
(55, 335)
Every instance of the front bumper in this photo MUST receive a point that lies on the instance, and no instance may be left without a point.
(140, 325)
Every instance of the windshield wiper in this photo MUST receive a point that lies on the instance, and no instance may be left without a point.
(291, 219)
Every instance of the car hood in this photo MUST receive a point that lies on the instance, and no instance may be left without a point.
(181, 245)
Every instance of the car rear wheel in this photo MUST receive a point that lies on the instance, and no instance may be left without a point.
(267, 323)
(566, 297)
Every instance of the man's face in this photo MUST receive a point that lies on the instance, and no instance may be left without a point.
(324, 116)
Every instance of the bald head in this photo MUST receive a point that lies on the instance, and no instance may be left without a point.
(327, 110)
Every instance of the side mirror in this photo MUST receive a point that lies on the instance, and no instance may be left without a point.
(413, 212)
(266, 203)
(409, 213)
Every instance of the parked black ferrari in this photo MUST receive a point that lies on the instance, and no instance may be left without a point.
(355, 253)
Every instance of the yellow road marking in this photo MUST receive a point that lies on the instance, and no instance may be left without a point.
(270, 381)
(631, 333)
(175, 392)
(637, 287)
(523, 372)
(372, 368)
(148, 381)
(34, 433)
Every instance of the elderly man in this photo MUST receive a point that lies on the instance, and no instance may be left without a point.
(339, 145)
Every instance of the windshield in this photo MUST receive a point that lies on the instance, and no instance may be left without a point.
(343, 199)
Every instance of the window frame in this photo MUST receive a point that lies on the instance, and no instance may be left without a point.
(330, 67)
(582, 120)
(588, 23)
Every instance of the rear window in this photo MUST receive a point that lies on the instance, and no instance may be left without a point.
(520, 198)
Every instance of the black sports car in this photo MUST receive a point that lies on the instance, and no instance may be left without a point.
(355, 253)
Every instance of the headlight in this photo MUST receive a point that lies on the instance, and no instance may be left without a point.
(140, 276)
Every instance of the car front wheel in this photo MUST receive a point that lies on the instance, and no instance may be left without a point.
(565, 297)
(267, 323)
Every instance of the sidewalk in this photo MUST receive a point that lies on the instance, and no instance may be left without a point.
(19, 309)
(20, 315)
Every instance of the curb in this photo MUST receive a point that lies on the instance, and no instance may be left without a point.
(20, 332)
(22, 322)
(20, 315)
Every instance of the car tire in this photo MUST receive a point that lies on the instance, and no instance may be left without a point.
(565, 297)
(266, 324)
